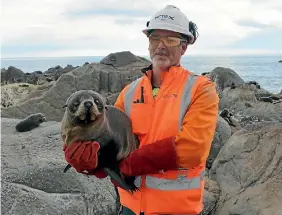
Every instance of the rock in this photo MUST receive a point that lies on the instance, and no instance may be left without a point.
(236, 125)
(23, 85)
(105, 79)
(11, 75)
(205, 74)
(266, 99)
(112, 98)
(3, 76)
(248, 170)
(119, 59)
(49, 79)
(245, 103)
(211, 195)
(54, 73)
(38, 72)
(14, 75)
(33, 181)
(224, 77)
(15, 94)
(40, 91)
(222, 134)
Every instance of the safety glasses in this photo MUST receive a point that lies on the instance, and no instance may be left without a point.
(168, 41)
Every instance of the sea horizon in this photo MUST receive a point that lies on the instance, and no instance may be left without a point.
(263, 68)
(186, 55)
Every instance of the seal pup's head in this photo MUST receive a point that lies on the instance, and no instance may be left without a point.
(84, 116)
(84, 107)
(38, 118)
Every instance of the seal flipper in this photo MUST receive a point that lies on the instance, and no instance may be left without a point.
(107, 161)
(67, 168)
(118, 177)
(130, 181)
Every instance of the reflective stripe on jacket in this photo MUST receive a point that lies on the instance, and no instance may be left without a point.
(186, 106)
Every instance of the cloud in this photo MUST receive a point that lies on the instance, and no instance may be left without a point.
(251, 23)
(267, 39)
(111, 12)
(89, 27)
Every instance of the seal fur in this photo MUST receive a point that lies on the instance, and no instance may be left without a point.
(30, 122)
(226, 115)
(87, 117)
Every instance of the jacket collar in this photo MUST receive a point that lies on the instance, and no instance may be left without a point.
(170, 74)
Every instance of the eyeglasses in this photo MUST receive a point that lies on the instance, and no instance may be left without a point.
(168, 41)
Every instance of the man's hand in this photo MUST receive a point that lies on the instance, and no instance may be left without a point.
(151, 158)
(82, 155)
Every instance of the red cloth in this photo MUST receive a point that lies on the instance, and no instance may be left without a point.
(82, 155)
(151, 158)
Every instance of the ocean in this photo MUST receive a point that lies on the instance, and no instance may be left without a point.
(264, 69)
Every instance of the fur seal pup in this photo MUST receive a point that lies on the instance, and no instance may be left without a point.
(233, 86)
(87, 117)
(30, 122)
(254, 83)
(226, 115)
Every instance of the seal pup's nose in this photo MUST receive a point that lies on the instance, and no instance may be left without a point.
(88, 104)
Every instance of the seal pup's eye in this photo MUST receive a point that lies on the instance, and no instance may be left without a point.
(97, 102)
(76, 104)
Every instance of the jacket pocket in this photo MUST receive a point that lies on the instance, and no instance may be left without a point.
(140, 117)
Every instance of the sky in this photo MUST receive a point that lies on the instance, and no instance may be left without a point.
(55, 28)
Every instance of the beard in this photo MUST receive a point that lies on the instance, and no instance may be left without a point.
(160, 59)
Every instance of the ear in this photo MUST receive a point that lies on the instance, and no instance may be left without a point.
(184, 47)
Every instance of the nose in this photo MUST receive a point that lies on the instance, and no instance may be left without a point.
(161, 45)
(88, 104)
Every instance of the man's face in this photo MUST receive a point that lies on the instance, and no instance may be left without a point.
(165, 55)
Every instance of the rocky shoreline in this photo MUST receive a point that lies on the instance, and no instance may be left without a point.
(243, 168)
(13, 75)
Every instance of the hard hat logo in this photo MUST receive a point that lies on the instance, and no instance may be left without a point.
(163, 17)
(172, 19)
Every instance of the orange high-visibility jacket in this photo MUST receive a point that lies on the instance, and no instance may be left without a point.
(186, 106)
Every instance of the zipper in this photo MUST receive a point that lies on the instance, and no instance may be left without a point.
(152, 103)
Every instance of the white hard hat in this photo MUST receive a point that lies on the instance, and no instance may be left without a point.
(170, 18)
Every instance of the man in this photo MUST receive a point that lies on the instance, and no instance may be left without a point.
(174, 114)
